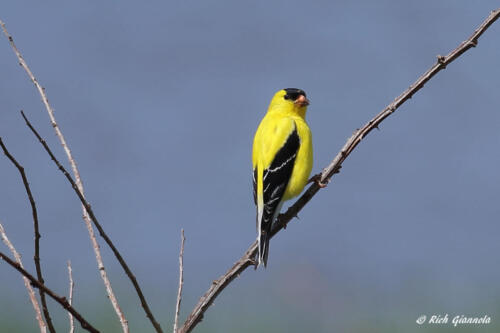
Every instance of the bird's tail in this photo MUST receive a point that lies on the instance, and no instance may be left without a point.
(263, 247)
(269, 215)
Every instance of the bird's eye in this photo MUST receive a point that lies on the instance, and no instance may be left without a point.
(286, 97)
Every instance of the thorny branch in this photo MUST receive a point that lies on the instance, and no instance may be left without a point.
(88, 224)
(334, 167)
(181, 282)
(36, 257)
(92, 216)
(31, 292)
(70, 300)
(59, 299)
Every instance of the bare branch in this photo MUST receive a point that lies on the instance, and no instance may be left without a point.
(36, 257)
(93, 218)
(334, 167)
(70, 301)
(31, 292)
(95, 244)
(181, 282)
(59, 299)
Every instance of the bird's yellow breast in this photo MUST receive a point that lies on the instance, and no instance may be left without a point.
(303, 161)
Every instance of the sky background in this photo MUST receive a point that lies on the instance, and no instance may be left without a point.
(159, 102)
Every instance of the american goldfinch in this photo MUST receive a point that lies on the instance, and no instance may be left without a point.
(282, 159)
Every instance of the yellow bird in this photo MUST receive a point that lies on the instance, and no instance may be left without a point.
(282, 159)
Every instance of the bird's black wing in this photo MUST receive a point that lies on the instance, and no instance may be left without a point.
(275, 181)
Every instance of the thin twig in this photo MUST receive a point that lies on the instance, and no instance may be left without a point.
(31, 292)
(334, 167)
(70, 300)
(36, 257)
(181, 282)
(93, 218)
(95, 244)
(59, 299)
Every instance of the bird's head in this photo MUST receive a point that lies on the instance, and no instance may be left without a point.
(291, 100)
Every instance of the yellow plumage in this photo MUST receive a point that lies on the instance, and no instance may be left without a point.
(282, 159)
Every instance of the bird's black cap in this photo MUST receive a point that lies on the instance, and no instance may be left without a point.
(294, 93)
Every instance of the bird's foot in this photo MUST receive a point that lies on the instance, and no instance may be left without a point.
(279, 218)
(317, 179)
(254, 262)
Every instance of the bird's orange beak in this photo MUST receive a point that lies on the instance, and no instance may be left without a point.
(302, 101)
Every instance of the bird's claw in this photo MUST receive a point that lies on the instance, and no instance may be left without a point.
(317, 179)
(253, 262)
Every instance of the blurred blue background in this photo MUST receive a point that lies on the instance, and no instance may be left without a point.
(159, 101)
